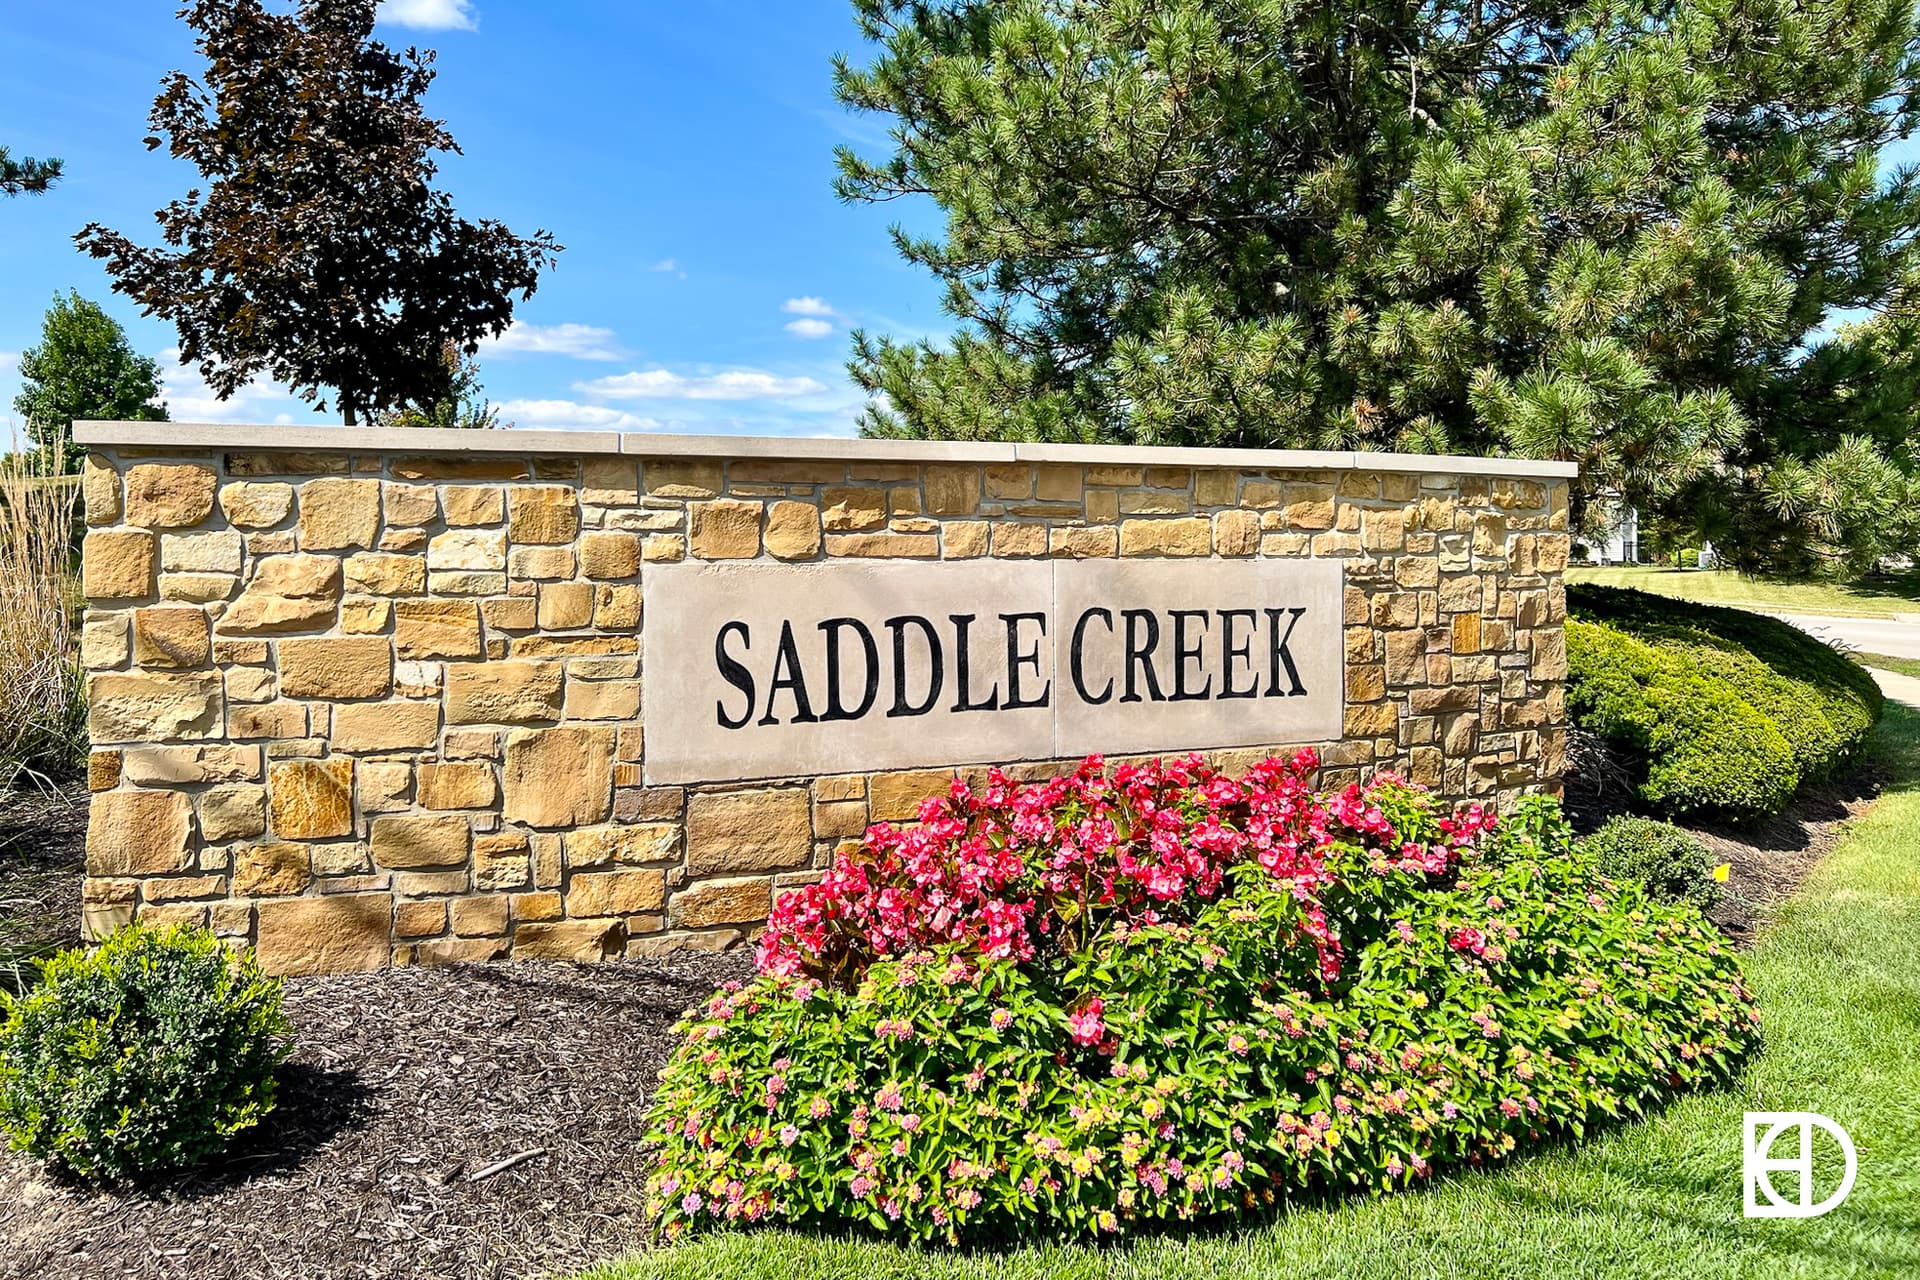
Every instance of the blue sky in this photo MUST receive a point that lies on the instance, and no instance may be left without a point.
(681, 150)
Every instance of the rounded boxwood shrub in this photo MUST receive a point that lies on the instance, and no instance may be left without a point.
(1670, 864)
(1726, 711)
(147, 1054)
(1110, 1001)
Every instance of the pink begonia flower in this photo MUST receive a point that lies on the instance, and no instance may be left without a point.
(1086, 1026)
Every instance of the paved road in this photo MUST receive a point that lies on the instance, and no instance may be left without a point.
(1896, 637)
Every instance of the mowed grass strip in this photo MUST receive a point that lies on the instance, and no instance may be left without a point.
(1880, 596)
(1838, 974)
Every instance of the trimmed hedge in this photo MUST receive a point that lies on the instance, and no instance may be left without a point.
(1670, 863)
(1729, 711)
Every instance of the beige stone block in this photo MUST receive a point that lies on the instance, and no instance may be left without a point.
(169, 495)
(616, 893)
(566, 606)
(897, 796)
(1019, 540)
(336, 667)
(834, 819)
(1172, 537)
(286, 593)
(560, 777)
(384, 785)
(273, 720)
(1215, 488)
(117, 564)
(844, 509)
(917, 546)
(468, 505)
(380, 573)
(537, 906)
(466, 582)
(1154, 502)
(478, 550)
(256, 504)
(341, 933)
(310, 799)
(1120, 476)
(152, 706)
(139, 833)
(545, 513)
(171, 637)
(793, 530)
(276, 869)
(103, 770)
(663, 547)
(725, 530)
(616, 607)
(503, 692)
(1103, 506)
(483, 917)
(411, 843)
(758, 830)
(363, 616)
(536, 564)
(419, 919)
(189, 766)
(284, 463)
(410, 505)
(337, 513)
(104, 640)
(1084, 542)
(430, 629)
(385, 726)
(500, 861)
(509, 613)
(577, 940)
(609, 555)
(1236, 533)
(951, 490)
(232, 812)
(1009, 480)
(639, 842)
(100, 490)
(464, 785)
(602, 699)
(610, 481)
(198, 588)
(214, 551)
(681, 477)
(964, 539)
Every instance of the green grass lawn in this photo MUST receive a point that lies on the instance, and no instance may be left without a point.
(1880, 596)
(1838, 975)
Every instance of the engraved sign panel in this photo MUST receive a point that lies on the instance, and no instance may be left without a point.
(763, 671)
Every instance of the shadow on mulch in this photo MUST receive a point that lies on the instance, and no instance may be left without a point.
(1766, 861)
(43, 855)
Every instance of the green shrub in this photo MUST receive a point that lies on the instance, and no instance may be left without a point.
(1728, 711)
(1670, 864)
(1688, 558)
(145, 1055)
(1416, 993)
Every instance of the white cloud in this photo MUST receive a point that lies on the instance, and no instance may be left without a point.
(579, 341)
(563, 415)
(809, 327)
(808, 306)
(190, 399)
(9, 361)
(664, 384)
(430, 15)
(665, 264)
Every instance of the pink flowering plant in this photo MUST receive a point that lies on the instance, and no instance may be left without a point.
(1040, 1035)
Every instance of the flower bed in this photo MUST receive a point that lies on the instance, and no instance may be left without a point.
(1161, 993)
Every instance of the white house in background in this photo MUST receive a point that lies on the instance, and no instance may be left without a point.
(1620, 544)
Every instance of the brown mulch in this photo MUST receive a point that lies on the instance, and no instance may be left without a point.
(1766, 862)
(405, 1085)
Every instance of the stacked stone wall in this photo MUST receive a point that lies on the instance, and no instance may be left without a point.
(370, 706)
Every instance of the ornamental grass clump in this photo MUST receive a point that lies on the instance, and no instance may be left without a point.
(1161, 995)
(147, 1054)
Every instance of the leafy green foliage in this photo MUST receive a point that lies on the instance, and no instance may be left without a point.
(1597, 233)
(1730, 711)
(1670, 864)
(145, 1055)
(83, 368)
(318, 252)
(1193, 1071)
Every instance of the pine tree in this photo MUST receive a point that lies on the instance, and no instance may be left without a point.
(318, 253)
(82, 369)
(26, 175)
(1597, 232)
